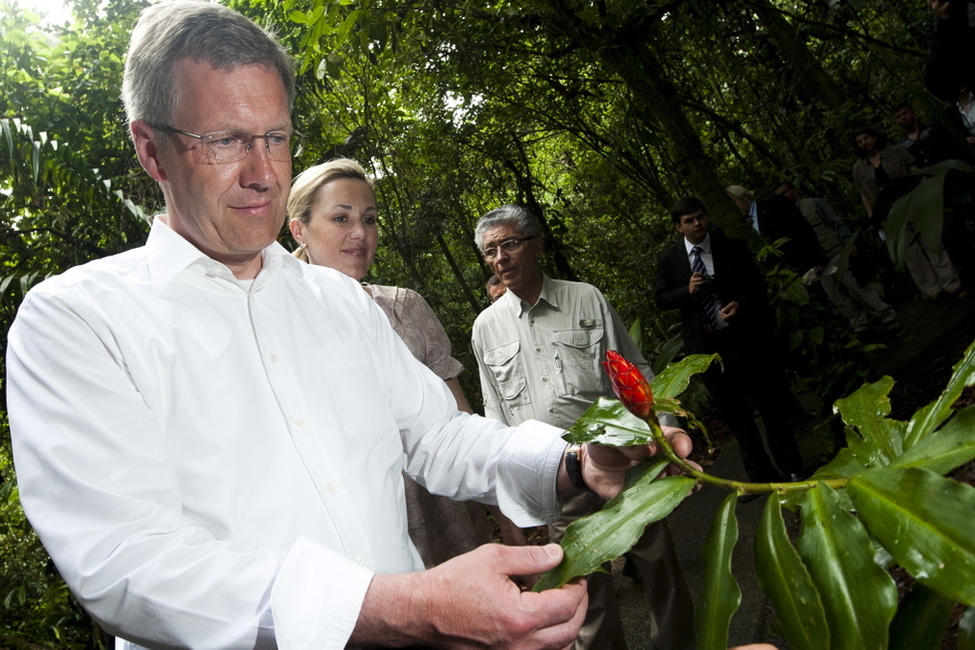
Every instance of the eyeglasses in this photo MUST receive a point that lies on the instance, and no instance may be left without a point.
(221, 147)
(508, 246)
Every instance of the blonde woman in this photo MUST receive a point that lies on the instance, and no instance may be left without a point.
(334, 219)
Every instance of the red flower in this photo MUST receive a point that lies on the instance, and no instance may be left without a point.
(629, 385)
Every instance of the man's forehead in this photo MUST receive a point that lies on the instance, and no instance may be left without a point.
(693, 216)
(501, 232)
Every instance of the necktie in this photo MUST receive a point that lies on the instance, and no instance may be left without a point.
(707, 304)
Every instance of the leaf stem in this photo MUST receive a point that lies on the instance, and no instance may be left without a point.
(735, 486)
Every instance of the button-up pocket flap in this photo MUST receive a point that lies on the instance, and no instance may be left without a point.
(579, 338)
(502, 354)
(512, 388)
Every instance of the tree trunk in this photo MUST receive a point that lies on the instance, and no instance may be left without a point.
(820, 86)
(657, 98)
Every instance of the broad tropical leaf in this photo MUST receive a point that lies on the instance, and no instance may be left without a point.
(673, 380)
(859, 597)
(953, 446)
(782, 575)
(720, 595)
(607, 422)
(925, 521)
(876, 440)
(929, 418)
(616, 528)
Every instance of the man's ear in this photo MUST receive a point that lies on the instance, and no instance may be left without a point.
(147, 150)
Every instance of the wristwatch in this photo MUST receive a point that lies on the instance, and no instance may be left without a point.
(573, 466)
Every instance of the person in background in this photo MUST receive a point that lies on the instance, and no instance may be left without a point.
(926, 143)
(538, 349)
(714, 282)
(931, 268)
(860, 304)
(494, 287)
(334, 219)
(777, 218)
(210, 435)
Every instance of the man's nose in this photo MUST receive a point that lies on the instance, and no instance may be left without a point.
(258, 168)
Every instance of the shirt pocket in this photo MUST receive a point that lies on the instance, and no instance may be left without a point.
(579, 348)
(509, 374)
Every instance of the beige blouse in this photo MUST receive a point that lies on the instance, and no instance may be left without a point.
(421, 330)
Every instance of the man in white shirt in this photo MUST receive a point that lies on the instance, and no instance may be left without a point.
(210, 435)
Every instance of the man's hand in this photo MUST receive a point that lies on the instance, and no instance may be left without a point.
(696, 283)
(729, 311)
(604, 468)
(471, 601)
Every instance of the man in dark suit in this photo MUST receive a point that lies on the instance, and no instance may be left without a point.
(714, 282)
(778, 218)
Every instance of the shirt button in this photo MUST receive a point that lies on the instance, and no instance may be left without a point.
(216, 270)
(360, 560)
(299, 422)
(531, 320)
(538, 349)
(551, 409)
(273, 358)
(544, 378)
(329, 488)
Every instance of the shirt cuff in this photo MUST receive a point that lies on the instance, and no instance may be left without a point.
(527, 473)
(317, 597)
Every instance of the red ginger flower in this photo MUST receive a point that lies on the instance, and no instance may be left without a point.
(629, 385)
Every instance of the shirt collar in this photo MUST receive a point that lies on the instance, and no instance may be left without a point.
(705, 245)
(753, 215)
(548, 295)
(168, 254)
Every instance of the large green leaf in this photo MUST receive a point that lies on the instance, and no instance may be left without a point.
(925, 521)
(782, 575)
(665, 355)
(607, 422)
(923, 206)
(876, 441)
(953, 446)
(673, 380)
(720, 595)
(859, 597)
(921, 620)
(929, 418)
(614, 530)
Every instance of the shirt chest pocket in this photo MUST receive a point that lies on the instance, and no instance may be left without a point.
(509, 375)
(579, 348)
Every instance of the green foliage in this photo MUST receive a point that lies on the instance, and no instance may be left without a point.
(885, 490)
(919, 210)
(721, 594)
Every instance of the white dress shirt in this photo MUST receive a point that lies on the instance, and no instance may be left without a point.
(217, 466)
(708, 259)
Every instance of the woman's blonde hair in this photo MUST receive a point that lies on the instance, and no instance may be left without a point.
(306, 185)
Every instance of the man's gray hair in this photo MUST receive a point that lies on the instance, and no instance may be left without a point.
(738, 192)
(507, 215)
(203, 32)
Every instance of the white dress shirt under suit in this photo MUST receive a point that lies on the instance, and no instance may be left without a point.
(216, 465)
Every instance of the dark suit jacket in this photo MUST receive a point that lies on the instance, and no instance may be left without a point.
(779, 217)
(736, 278)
